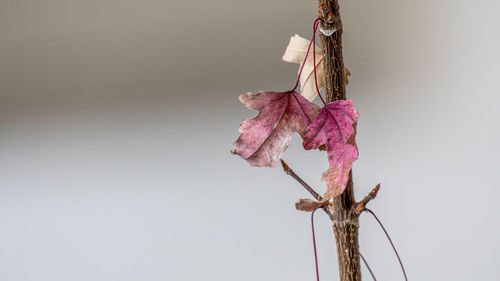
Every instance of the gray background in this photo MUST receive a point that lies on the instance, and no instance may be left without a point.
(117, 118)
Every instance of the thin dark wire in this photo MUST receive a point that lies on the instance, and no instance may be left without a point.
(316, 24)
(305, 59)
(369, 269)
(314, 245)
(390, 241)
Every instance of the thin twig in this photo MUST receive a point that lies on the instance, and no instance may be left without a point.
(316, 195)
(290, 172)
(358, 207)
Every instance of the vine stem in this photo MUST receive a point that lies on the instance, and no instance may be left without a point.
(313, 44)
(390, 241)
(367, 266)
(315, 26)
(314, 245)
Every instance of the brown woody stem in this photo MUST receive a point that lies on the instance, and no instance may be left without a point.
(313, 192)
(343, 210)
(345, 221)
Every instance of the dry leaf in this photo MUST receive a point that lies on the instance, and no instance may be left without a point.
(265, 138)
(307, 205)
(335, 128)
(295, 53)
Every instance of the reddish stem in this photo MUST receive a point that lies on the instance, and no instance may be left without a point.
(390, 241)
(314, 245)
(369, 269)
(315, 28)
(316, 24)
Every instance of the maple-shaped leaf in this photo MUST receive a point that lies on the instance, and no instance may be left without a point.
(265, 138)
(296, 52)
(335, 128)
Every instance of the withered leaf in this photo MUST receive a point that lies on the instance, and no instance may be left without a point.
(334, 127)
(265, 138)
(307, 205)
(296, 53)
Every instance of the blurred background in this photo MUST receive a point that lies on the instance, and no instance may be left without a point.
(117, 118)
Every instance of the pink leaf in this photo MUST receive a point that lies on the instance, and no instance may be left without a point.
(335, 128)
(264, 138)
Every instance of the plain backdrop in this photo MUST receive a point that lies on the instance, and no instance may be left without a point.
(117, 118)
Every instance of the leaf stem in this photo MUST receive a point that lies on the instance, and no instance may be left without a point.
(314, 245)
(369, 269)
(390, 241)
(307, 53)
(316, 24)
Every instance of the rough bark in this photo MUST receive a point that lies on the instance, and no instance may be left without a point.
(345, 221)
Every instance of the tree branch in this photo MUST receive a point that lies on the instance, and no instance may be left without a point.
(303, 204)
(290, 172)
